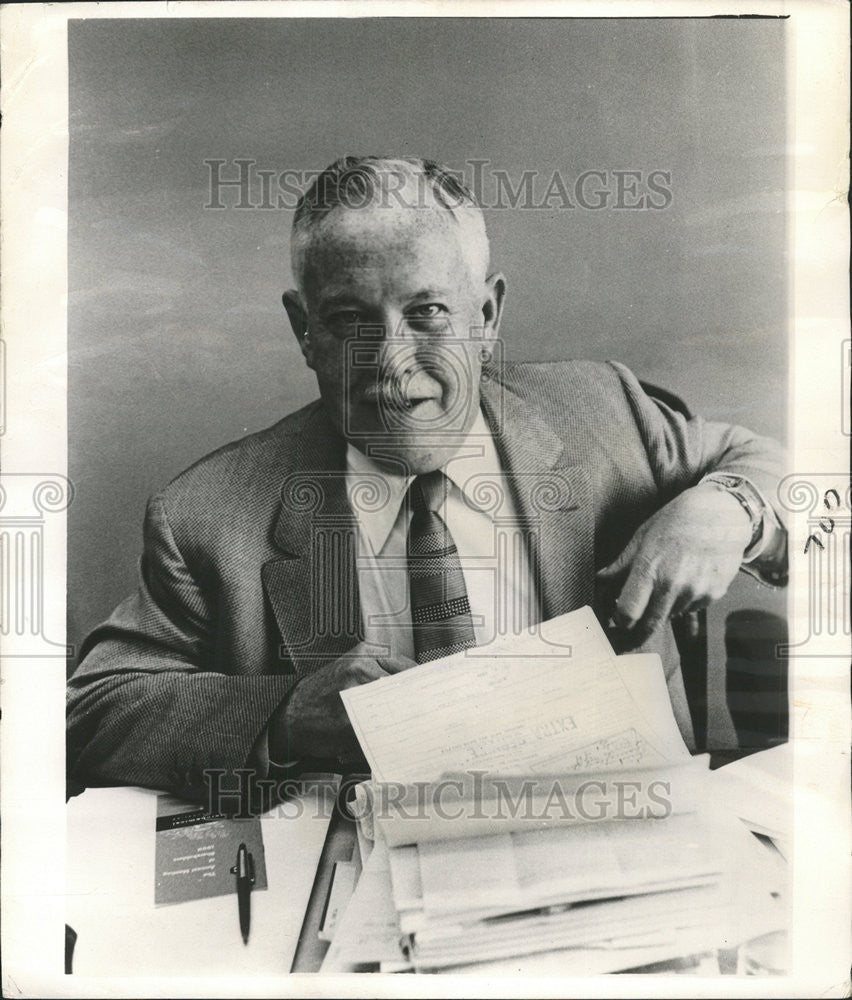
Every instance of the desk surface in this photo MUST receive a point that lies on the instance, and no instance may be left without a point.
(110, 877)
(111, 874)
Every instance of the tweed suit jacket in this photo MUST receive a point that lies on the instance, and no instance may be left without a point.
(236, 602)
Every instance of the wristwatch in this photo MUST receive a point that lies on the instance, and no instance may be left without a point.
(748, 498)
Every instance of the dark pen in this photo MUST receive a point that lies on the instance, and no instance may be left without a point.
(244, 870)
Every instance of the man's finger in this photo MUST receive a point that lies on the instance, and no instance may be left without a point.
(685, 603)
(634, 597)
(620, 565)
(658, 610)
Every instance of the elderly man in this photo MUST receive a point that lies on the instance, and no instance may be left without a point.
(433, 500)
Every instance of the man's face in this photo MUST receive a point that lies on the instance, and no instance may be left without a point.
(398, 323)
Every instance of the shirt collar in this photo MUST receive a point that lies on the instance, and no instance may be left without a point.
(477, 456)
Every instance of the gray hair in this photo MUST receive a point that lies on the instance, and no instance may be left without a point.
(354, 182)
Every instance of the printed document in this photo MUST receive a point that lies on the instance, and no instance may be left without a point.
(555, 701)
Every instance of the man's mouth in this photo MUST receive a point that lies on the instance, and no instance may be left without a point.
(398, 400)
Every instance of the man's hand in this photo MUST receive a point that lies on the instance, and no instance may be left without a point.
(314, 722)
(680, 559)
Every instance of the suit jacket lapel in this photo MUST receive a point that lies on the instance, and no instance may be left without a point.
(553, 497)
(313, 587)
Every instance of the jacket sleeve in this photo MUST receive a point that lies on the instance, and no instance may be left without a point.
(146, 707)
(682, 451)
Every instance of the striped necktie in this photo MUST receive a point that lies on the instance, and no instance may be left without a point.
(440, 611)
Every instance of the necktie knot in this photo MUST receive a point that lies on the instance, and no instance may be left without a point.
(429, 491)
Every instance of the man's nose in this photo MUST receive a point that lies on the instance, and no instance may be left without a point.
(397, 356)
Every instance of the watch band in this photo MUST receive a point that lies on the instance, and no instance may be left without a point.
(748, 498)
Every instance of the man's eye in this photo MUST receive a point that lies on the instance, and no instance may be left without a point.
(431, 310)
(346, 317)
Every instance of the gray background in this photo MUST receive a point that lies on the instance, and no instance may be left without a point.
(177, 338)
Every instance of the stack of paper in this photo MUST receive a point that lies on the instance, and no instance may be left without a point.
(537, 798)
(613, 885)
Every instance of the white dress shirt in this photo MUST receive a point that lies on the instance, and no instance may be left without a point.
(481, 516)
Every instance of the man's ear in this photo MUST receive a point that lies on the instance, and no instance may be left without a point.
(492, 307)
(298, 317)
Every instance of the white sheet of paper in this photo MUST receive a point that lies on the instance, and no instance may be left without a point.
(559, 864)
(554, 702)
(642, 674)
(343, 881)
(405, 878)
(368, 930)
(759, 790)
